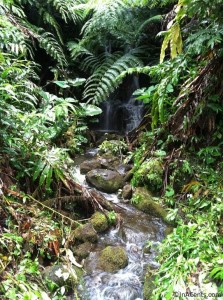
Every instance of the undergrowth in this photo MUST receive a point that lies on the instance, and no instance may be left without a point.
(32, 240)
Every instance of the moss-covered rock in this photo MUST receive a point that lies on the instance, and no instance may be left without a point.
(89, 165)
(113, 259)
(127, 191)
(149, 285)
(150, 173)
(99, 222)
(83, 250)
(105, 180)
(145, 202)
(86, 233)
(63, 275)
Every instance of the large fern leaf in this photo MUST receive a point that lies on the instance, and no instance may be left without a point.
(105, 79)
(52, 47)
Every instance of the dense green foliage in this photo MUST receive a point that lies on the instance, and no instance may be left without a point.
(58, 59)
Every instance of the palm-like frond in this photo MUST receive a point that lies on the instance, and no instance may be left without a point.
(49, 43)
(104, 80)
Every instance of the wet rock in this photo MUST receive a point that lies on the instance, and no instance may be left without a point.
(62, 275)
(105, 180)
(86, 233)
(109, 161)
(127, 191)
(113, 259)
(145, 202)
(83, 250)
(99, 222)
(89, 165)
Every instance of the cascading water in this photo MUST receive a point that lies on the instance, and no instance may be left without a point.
(138, 233)
(132, 114)
(121, 115)
(126, 284)
(133, 234)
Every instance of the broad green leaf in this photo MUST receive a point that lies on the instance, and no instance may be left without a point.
(90, 109)
(44, 175)
(39, 167)
(49, 178)
(62, 84)
(76, 82)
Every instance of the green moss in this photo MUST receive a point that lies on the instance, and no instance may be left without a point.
(83, 250)
(149, 173)
(86, 233)
(113, 259)
(149, 285)
(147, 204)
(99, 222)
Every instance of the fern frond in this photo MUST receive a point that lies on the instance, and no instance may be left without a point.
(66, 10)
(49, 19)
(52, 47)
(204, 39)
(77, 49)
(13, 40)
(105, 79)
(154, 19)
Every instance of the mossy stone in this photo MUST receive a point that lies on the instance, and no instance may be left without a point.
(147, 204)
(149, 285)
(63, 275)
(105, 180)
(86, 233)
(99, 222)
(89, 165)
(113, 259)
(83, 250)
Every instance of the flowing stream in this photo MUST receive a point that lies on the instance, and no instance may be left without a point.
(135, 232)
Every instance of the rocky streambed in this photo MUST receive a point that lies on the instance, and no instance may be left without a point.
(117, 258)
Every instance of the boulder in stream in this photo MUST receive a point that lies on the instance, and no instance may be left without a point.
(89, 165)
(127, 191)
(113, 259)
(99, 221)
(105, 180)
(83, 250)
(86, 233)
(145, 202)
(63, 275)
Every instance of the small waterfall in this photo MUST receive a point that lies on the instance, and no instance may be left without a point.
(132, 113)
(123, 113)
(120, 116)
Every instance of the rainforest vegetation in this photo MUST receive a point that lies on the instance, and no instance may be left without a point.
(59, 61)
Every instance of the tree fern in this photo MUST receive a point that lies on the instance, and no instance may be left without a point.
(66, 9)
(49, 43)
(49, 19)
(105, 78)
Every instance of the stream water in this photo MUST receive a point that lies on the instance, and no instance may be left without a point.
(134, 233)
